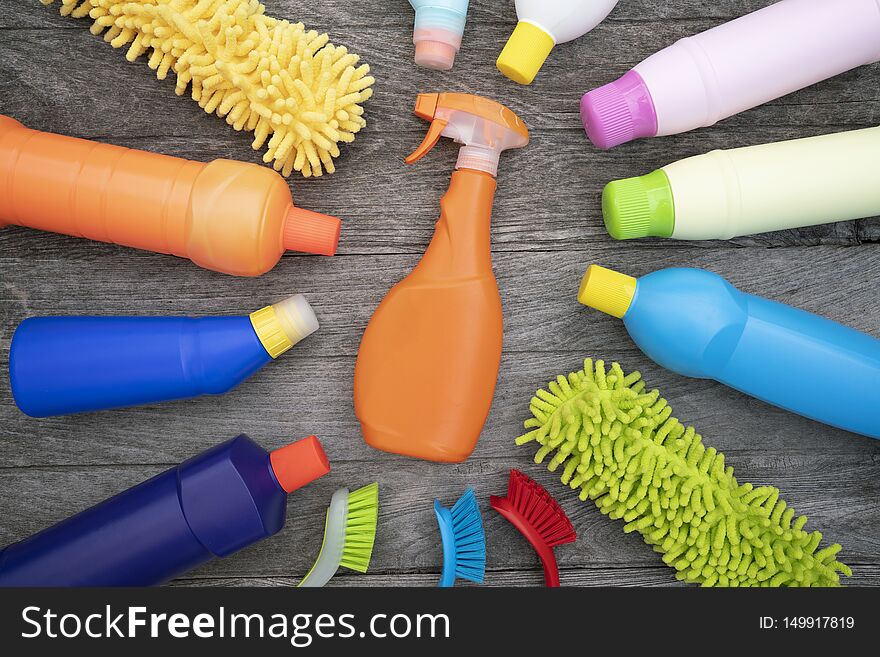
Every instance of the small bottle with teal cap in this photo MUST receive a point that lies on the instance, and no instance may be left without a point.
(695, 323)
(438, 31)
(63, 365)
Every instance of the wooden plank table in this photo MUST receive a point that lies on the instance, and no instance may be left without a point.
(547, 228)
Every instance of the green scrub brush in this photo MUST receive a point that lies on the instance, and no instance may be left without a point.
(623, 449)
(349, 534)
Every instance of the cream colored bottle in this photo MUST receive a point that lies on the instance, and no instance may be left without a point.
(756, 189)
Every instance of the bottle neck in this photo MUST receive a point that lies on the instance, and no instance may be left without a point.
(478, 158)
(461, 245)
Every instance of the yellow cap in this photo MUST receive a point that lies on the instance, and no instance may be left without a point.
(282, 325)
(525, 52)
(607, 291)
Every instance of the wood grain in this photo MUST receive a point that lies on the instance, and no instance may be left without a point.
(547, 229)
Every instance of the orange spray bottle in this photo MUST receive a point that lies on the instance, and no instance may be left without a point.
(429, 359)
(232, 217)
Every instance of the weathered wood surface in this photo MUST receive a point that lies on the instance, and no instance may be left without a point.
(56, 76)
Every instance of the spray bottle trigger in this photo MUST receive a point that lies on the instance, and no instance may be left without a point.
(431, 139)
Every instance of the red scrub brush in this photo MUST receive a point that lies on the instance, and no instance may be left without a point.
(538, 517)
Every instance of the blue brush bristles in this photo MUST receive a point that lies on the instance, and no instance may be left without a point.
(464, 540)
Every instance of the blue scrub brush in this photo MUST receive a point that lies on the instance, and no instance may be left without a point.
(464, 540)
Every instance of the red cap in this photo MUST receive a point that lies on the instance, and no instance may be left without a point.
(299, 463)
(311, 232)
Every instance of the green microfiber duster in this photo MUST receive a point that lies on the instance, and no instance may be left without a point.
(623, 449)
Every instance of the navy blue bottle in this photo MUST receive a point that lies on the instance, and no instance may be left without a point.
(212, 505)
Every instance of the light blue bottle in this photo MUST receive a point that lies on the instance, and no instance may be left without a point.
(438, 31)
(695, 323)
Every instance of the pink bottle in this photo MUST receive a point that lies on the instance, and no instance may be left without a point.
(749, 61)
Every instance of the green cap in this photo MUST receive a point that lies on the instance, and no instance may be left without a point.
(639, 207)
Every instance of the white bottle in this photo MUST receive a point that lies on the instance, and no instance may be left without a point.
(543, 24)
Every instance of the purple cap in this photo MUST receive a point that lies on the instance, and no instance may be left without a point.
(619, 112)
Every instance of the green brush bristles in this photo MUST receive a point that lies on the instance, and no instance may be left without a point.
(623, 449)
(360, 527)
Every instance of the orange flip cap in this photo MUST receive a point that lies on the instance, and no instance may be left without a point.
(426, 106)
(299, 463)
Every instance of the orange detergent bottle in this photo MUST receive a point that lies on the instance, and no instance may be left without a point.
(232, 217)
(429, 359)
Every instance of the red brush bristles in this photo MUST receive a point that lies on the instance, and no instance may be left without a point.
(540, 510)
(534, 512)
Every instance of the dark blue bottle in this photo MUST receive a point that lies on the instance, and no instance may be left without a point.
(212, 505)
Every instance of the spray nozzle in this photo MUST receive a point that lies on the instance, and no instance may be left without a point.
(485, 127)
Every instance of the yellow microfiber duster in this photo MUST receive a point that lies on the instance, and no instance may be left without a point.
(264, 75)
(623, 449)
